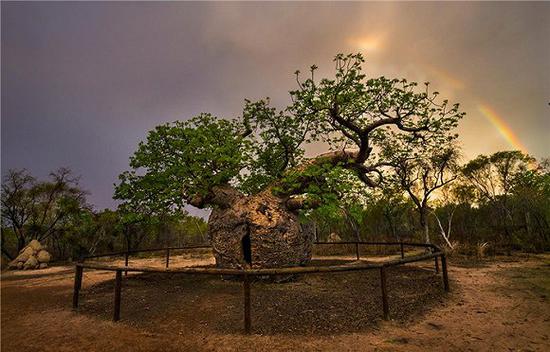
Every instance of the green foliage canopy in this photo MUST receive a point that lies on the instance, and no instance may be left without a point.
(180, 160)
(263, 148)
(495, 175)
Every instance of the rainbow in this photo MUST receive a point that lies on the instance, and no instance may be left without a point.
(502, 127)
(488, 112)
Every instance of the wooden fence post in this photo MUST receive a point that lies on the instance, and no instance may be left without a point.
(445, 274)
(167, 257)
(385, 306)
(402, 251)
(118, 286)
(77, 285)
(357, 250)
(126, 255)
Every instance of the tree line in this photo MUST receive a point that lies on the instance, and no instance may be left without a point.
(56, 213)
(499, 202)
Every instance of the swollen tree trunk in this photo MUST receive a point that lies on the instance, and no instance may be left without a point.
(261, 230)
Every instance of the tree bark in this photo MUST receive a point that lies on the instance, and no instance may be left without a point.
(424, 224)
(258, 231)
(446, 236)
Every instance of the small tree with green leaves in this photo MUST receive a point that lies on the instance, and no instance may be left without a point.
(422, 170)
(493, 179)
(39, 209)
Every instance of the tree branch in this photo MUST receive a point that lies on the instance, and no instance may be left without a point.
(223, 196)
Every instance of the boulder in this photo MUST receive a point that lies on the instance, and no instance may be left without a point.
(43, 256)
(333, 237)
(31, 257)
(35, 245)
(43, 265)
(31, 263)
(25, 254)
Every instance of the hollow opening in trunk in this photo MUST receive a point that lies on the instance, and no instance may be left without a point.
(247, 249)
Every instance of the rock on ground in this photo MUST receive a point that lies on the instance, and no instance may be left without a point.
(43, 256)
(334, 237)
(35, 245)
(31, 263)
(31, 257)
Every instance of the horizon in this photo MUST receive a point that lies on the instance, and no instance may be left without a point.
(83, 83)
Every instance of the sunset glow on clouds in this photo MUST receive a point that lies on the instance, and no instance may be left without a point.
(368, 44)
(83, 85)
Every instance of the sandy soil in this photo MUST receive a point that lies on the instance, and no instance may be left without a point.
(498, 306)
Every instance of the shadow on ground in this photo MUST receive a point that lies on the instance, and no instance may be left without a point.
(309, 304)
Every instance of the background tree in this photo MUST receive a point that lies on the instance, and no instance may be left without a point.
(39, 210)
(392, 206)
(16, 206)
(423, 170)
(446, 204)
(493, 178)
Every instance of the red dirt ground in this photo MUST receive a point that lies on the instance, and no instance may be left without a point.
(497, 306)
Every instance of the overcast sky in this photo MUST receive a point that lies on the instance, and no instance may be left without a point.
(82, 83)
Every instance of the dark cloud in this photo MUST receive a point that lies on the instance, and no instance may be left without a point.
(82, 83)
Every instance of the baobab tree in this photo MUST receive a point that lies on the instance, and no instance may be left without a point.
(251, 170)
